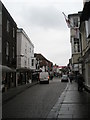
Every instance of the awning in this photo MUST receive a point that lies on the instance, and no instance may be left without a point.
(4, 68)
(23, 69)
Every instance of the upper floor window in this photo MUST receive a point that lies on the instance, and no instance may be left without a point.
(30, 50)
(7, 50)
(13, 32)
(0, 18)
(13, 52)
(75, 22)
(25, 63)
(8, 24)
(28, 62)
(26, 48)
(32, 62)
(0, 44)
(76, 45)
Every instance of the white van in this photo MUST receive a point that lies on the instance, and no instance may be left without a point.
(44, 77)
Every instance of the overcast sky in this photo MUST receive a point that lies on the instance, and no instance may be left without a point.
(44, 23)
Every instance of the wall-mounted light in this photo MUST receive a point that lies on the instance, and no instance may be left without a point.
(22, 55)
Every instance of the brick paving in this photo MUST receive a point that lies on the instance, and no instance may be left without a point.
(72, 104)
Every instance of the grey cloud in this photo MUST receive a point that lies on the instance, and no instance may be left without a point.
(46, 17)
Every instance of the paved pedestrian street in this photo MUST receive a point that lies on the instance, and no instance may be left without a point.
(72, 104)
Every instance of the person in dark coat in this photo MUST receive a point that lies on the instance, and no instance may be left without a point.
(71, 77)
(80, 82)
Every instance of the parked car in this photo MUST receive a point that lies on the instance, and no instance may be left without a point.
(64, 78)
(44, 77)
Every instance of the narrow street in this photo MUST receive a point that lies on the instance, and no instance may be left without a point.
(39, 40)
(34, 102)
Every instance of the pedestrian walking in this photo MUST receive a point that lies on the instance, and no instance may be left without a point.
(71, 77)
(80, 82)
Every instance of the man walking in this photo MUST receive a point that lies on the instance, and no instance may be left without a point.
(80, 82)
(71, 77)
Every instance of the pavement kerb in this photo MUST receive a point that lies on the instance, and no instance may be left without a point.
(15, 91)
(54, 112)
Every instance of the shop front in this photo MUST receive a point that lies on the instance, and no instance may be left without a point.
(8, 77)
(86, 69)
(22, 76)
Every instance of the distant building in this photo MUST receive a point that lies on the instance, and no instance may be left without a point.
(43, 63)
(59, 70)
(7, 47)
(25, 56)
